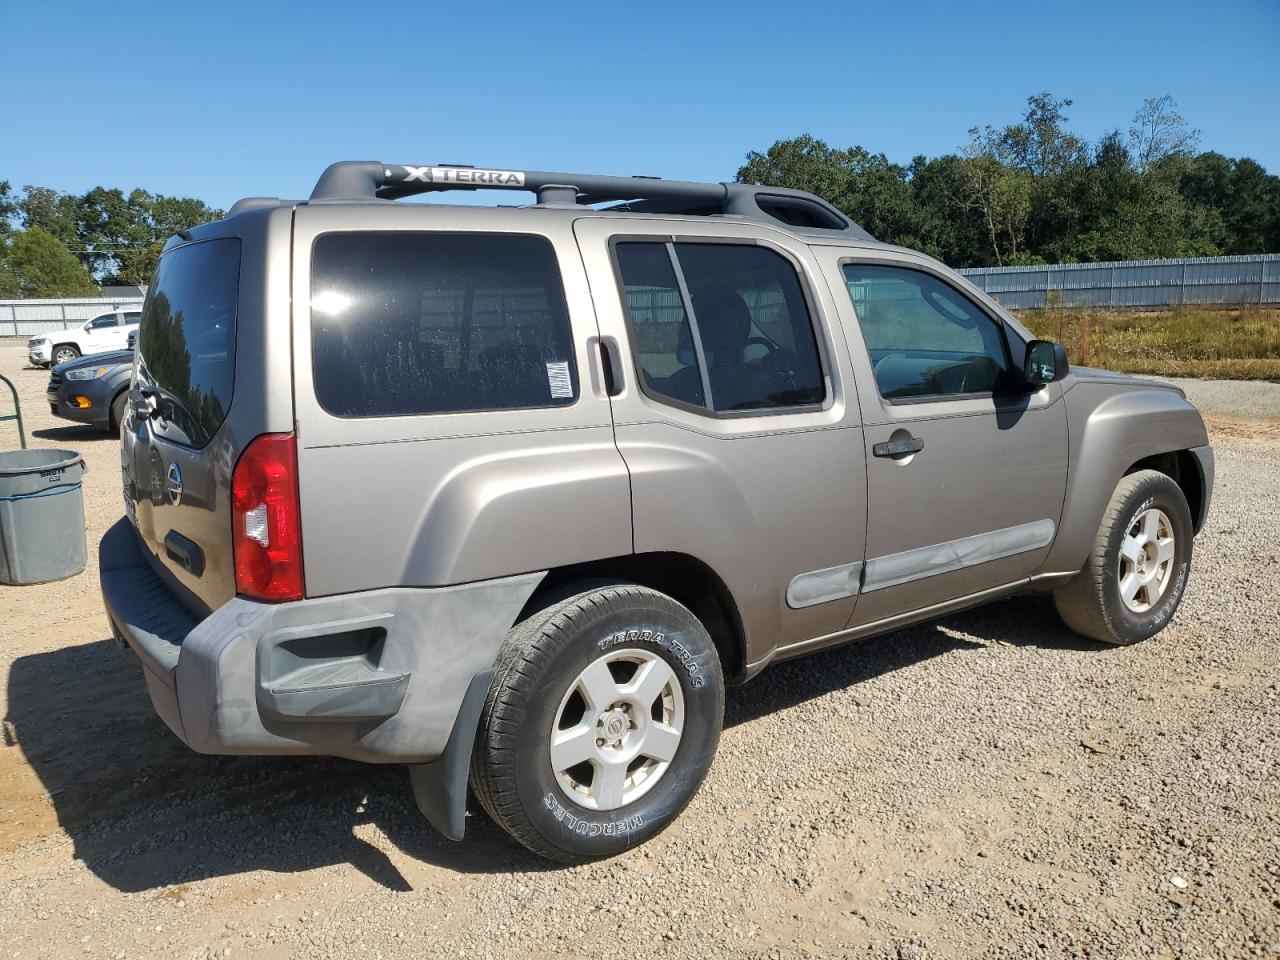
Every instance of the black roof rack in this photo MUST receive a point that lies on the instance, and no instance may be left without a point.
(795, 209)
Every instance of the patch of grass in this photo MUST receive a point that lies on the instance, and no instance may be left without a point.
(1228, 343)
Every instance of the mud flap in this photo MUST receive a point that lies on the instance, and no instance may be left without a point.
(440, 787)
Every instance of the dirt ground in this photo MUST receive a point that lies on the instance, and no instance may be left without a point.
(988, 786)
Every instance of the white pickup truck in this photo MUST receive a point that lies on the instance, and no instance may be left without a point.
(108, 331)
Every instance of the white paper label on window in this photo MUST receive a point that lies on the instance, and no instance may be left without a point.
(558, 380)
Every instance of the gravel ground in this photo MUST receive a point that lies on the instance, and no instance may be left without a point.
(987, 786)
(1247, 399)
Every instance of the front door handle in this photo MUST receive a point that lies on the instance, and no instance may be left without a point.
(898, 448)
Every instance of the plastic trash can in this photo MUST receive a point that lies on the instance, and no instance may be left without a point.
(41, 515)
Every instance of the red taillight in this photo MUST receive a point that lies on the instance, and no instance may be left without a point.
(266, 525)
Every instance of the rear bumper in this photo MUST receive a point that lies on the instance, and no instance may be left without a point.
(378, 676)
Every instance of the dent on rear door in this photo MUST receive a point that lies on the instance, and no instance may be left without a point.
(763, 500)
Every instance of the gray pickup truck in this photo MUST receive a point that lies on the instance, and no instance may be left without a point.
(510, 494)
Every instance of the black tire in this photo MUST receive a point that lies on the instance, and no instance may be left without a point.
(118, 409)
(539, 664)
(70, 349)
(1091, 603)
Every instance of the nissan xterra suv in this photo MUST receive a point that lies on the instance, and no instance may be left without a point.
(510, 494)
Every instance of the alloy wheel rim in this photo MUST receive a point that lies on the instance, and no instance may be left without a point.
(1146, 564)
(617, 729)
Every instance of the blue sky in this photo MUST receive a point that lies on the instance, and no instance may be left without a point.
(225, 99)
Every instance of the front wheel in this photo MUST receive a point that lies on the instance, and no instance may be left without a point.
(119, 407)
(601, 721)
(62, 353)
(1137, 571)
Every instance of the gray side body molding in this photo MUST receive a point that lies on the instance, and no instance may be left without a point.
(939, 558)
(835, 583)
(820, 586)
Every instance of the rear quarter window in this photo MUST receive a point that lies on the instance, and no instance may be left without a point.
(407, 323)
(186, 339)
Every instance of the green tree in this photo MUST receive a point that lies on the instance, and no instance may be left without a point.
(1033, 191)
(53, 212)
(123, 234)
(39, 265)
(1245, 198)
(1159, 132)
(1040, 145)
(8, 213)
(111, 225)
(136, 265)
(1000, 193)
(8, 210)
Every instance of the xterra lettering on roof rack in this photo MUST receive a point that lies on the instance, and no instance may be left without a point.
(468, 176)
(365, 180)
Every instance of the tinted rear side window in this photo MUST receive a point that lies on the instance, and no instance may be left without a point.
(417, 323)
(187, 338)
(664, 343)
(742, 340)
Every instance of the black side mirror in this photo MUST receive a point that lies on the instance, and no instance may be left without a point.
(1046, 362)
(144, 403)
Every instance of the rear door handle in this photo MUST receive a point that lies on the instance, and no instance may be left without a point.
(898, 448)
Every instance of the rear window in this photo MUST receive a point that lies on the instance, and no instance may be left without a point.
(186, 339)
(417, 323)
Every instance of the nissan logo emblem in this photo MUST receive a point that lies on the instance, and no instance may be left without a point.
(173, 484)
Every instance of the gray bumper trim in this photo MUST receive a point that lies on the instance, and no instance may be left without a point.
(207, 677)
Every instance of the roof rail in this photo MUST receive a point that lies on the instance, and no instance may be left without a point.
(795, 209)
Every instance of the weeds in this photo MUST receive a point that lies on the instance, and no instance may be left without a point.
(1240, 343)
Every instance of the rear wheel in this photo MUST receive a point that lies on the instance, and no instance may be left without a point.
(62, 353)
(601, 721)
(1137, 571)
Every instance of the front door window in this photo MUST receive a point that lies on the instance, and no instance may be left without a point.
(925, 339)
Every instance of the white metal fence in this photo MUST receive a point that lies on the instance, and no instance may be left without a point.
(26, 318)
(1134, 283)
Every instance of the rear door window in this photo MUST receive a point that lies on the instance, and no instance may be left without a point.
(407, 323)
(720, 326)
(662, 338)
(186, 339)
